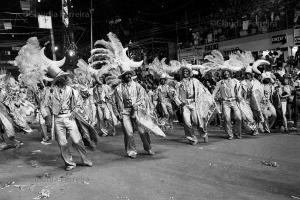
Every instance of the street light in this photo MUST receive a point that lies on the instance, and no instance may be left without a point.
(71, 53)
(55, 48)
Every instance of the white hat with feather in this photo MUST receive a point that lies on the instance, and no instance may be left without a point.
(267, 75)
(178, 67)
(216, 62)
(113, 58)
(248, 61)
(34, 65)
(113, 54)
(159, 69)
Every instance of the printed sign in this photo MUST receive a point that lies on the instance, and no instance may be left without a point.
(279, 39)
(45, 21)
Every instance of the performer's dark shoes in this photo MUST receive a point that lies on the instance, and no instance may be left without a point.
(88, 163)
(286, 131)
(151, 152)
(70, 167)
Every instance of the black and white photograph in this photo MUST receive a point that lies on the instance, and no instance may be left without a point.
(150, 100)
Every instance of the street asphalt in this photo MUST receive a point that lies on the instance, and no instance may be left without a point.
(256, 167)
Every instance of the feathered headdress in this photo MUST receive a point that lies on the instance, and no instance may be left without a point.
(113, 58)
(177, 67)
(34, 65)
(249, 62)
(216, 62)
(268, 75)
(82, 77)
(159, 69)
(2, 77)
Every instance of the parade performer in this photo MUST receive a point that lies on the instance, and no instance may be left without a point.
(106, 119)
(64, 104)
(251, 93)
(196, 102)
(268, 108)
(82, 82)
(164, 93)
(13, 101)
(7, 136)
(42, 96)
(68, 121)
(130, 97)
(228, 90)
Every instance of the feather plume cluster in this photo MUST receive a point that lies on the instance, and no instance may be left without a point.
(215, 57)
(29, 63)
(236, 62)
(112, 53)
(82, 77)
(112, 57)
(159, 68)
(34, 65)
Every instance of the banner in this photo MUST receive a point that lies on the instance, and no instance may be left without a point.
(25, 5)
(45, 21)
(7, 25)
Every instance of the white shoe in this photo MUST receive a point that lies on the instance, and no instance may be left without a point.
(132, 154)
(45, 143)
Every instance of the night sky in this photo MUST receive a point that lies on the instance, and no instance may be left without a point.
(140, 18)
(131, 20)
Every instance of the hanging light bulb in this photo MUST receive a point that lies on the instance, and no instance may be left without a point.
(71, 52)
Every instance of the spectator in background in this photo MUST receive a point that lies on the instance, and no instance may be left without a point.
(284, 93)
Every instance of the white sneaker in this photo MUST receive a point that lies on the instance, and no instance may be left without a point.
(132, 154)
(45, 143)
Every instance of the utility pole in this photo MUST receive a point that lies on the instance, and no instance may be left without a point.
(52, 44)
(177, 41)
(91, 13)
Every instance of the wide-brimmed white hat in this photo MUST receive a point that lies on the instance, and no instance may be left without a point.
(165, 76)
(34, 65)
(267, 75)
